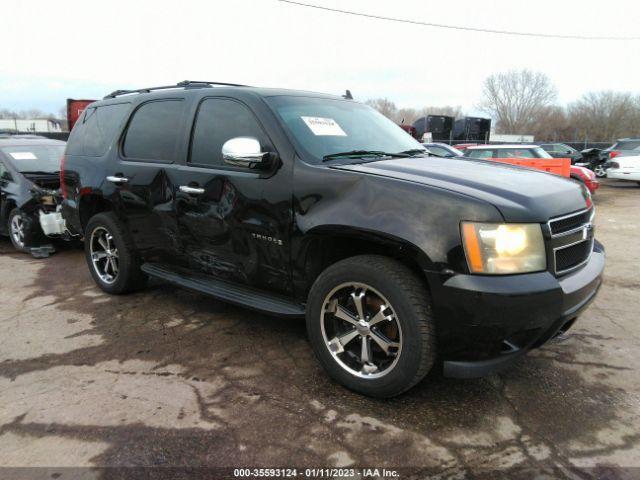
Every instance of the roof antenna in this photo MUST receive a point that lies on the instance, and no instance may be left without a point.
(348, 95)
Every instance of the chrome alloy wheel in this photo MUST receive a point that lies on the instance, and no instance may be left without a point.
(361, 330)
(17, 230)
(104, 255)
(600, 171)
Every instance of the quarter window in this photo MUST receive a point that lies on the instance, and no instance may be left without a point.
(219, 120)
(154, 131)
(96, 129)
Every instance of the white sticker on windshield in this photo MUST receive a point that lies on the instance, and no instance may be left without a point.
(23, 156)
(324, 126)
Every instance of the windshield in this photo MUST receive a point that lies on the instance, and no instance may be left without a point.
(320, 127)
(568, 148)
(35, 158)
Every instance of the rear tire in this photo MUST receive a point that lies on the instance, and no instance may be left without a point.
(112, 259)
(370, 323)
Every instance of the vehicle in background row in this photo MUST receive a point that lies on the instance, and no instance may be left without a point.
(463, 146)
(534, 156)
(75, 109)
(625, 168)
(29, 191)
(442, 150)
(585, 176)
(305, 204)
(439, 127)
(561, 150)
(472, 128)
(624, 147)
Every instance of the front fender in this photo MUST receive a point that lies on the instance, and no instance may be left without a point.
(422, 216)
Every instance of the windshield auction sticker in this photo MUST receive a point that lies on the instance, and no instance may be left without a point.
(324, 126)
(23, 156)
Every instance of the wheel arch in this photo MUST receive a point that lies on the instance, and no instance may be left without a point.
(90, 205)
(325, 245)
(7, 206)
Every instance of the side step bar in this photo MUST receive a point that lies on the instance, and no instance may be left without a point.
(229, 292)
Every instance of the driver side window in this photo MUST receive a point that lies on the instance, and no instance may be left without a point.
(219, 120)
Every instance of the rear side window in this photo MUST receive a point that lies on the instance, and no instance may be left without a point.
(219, 120)
(479, 153)
(93, 134)
(628, 145)
(154, 131)
(515, 153)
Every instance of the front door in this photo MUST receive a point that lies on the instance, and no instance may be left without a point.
(234, 222)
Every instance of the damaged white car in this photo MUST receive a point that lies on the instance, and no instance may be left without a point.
(625, 168)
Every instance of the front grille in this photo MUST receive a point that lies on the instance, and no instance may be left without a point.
(571, 240)
(572, 256)
(570, 222)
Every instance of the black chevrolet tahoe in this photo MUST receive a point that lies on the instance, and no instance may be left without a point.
(303, 204)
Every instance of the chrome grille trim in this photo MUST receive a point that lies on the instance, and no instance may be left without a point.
(586, 225)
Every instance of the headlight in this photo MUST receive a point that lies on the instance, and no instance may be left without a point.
(502, 248)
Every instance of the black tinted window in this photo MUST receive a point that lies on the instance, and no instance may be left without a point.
(219, 120)
(96, 130)
(154, 131)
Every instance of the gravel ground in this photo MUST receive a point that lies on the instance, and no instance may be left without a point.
(169, 378)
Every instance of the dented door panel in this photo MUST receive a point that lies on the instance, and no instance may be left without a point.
(238, 229)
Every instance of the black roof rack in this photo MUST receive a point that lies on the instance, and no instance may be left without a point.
(184, 84)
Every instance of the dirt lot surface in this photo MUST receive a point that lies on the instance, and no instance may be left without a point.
(169, 378)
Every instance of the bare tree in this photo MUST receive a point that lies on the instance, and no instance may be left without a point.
(515, 99)
(448, 110)
(385, 106)
(552, 124)
(407, 116)
(605, 116)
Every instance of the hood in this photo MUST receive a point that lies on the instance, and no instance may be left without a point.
(520, 194)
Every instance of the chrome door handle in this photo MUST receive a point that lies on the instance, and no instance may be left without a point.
(191, 190)
(113, 179)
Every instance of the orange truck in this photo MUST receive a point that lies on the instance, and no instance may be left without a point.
(531, 156)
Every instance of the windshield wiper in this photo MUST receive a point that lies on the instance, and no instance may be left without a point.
(363, 153)
(415, 151)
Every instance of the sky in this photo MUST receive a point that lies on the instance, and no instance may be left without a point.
(54, 50)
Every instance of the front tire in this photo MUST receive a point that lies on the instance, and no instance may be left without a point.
(370, 322)
(23, 232)
(600, 171)
(111, 256)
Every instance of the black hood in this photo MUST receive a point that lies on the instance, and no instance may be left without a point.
(521, 194)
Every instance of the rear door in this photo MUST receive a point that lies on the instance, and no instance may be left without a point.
(238, 226)
(145, 175)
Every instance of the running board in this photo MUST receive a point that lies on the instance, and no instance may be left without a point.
(229, 292)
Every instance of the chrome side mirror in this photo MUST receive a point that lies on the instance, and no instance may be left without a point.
(245, 152)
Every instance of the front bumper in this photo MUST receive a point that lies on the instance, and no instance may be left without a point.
(486, 322)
